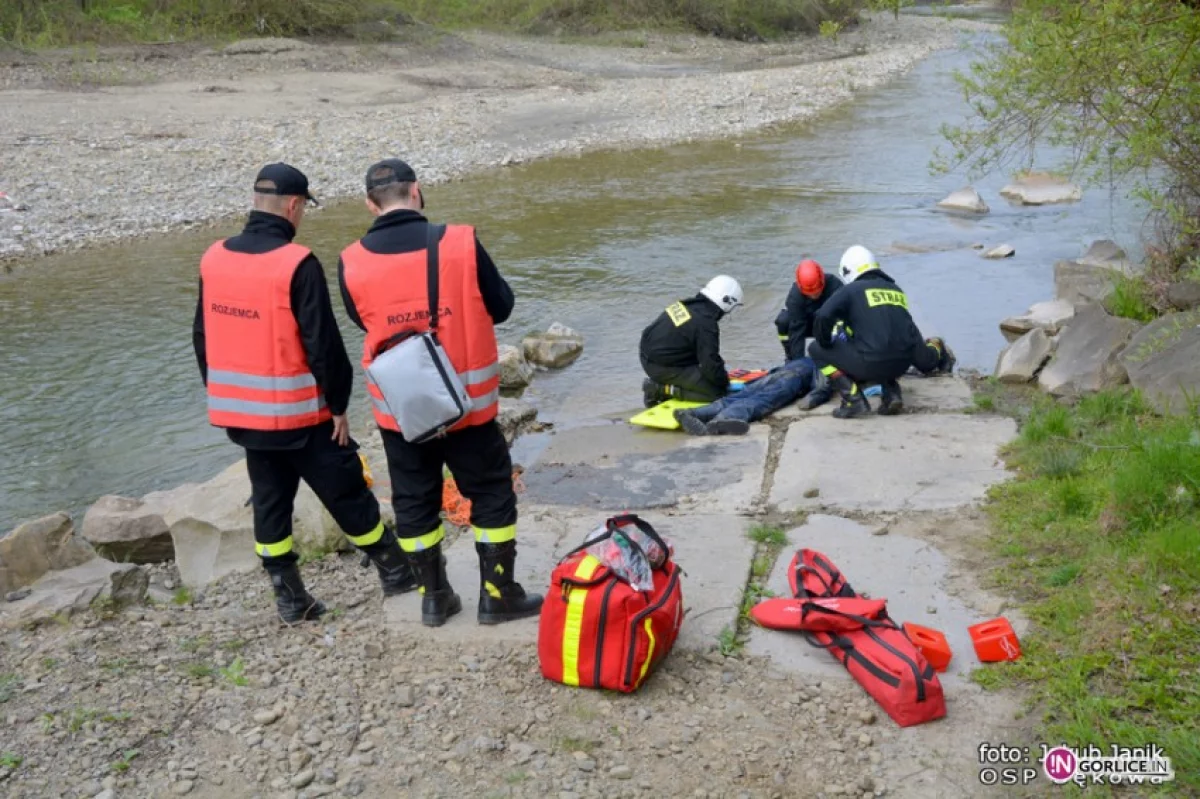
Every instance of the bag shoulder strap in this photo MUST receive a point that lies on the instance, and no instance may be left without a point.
(433, 237)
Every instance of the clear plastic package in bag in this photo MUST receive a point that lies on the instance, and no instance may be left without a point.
(629, 553)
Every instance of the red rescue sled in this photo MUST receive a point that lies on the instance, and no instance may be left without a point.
(839, 614)
(879, 655)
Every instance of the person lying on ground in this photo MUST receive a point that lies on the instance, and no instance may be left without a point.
(810, 289)
(865, 334)
(732, 415)
(680, 350)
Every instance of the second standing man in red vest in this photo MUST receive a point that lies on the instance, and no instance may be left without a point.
(383, 283)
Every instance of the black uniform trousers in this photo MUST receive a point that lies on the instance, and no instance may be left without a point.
(478, 459)
(334, 473)
(844, 356)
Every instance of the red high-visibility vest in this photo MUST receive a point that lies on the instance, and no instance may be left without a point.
(258, 373)
(391, 294)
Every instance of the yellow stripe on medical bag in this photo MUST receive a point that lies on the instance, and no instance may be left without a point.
(573, 627)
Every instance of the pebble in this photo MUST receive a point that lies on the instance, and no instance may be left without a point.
(403, 695)
(312, 737)
(302, 779)
(585, 764)
(621, 772)
(183, 787)
(864, 739)
(107, 793)
(265, 717)
(18, 595)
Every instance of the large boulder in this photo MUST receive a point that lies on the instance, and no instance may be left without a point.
(515, 417)
(126, 531)
(1163, 361)
(38, 547)
(1021, 360)
(1041, 188)
(1086, 359)
(212, 526)
(559, 346)
(965, 199)
(1184, 295)
(61, 594)
(515, 372)
(1048, 316)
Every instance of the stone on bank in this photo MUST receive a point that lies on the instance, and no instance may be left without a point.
(1046, 316)
(1092, 277)
(124, 530)
(1086, 359)
(1163, 361)
(48, 572)
(515, 372)
(1021, 361)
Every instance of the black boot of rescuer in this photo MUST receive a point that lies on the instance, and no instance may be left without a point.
(438, 600)
(854, 404)
(292, 599)
(892, 402)
(501, 598)
(395, 573)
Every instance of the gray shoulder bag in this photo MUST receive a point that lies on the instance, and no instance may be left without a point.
(420, 385)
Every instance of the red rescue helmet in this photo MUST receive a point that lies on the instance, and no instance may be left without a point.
(810, 277)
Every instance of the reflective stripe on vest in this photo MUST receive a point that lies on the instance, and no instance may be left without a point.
(258, 374)
(389, 293)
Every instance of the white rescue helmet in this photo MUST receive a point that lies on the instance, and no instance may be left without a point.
(724, 291)
(855, 262)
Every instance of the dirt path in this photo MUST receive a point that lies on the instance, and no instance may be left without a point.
(118, 143)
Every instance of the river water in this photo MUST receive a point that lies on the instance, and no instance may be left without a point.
(101, 393)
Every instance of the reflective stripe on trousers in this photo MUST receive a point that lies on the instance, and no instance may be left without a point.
(469, 378)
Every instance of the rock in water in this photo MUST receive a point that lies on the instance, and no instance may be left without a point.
(1048, 316)
(965, 199)
(515, 372)
(1086, 359)
(559, 346)
(1021, 360)
(1163, 361)
(1000, 251)
(1041, 188)
(124, 530)
(40, 546)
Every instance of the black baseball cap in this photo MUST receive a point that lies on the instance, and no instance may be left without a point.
(391, 170)
(284, 180)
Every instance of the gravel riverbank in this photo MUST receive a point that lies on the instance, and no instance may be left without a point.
(141, 141)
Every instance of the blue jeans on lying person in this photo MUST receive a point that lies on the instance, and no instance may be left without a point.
(782, 386)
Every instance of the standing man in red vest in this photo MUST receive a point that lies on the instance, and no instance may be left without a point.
(383, 283)
(279, 381)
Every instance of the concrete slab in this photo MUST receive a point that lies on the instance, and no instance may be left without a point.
(616, 466)
(908, 572)
(921, 395)
(890, 463)
(713, 551)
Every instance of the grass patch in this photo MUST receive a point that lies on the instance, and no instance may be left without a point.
(11, 760)
(1100, 535)
(198, 671)
(51, 23)
(182, 596)
(235, 673)
(728, 641)
(1131, 299)
(767, 534)
(571, 744)
(121, 765)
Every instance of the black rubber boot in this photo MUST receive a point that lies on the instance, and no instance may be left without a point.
(501, 598)
(728, 427)
(822, 392)
(438, 600)
(292, 599)
(654, 393)
(892, 401)
(690, 423)
(395, 573)
(854, 404)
